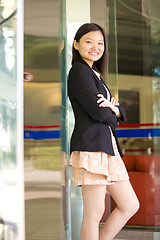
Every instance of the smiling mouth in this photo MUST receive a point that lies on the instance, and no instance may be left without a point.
(94, 53)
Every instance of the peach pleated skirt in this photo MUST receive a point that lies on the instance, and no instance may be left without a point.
(98, 168)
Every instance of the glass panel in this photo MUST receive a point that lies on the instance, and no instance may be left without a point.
(112, 77)
(11, 120)
(138, 83)
(64, 125)
(74, 20)
(42, 100)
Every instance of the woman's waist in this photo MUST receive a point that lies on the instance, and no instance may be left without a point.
(92, 131)
(93, 125)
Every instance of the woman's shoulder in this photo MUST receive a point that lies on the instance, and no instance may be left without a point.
(80, 68)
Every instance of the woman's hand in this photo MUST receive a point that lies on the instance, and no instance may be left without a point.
(114, 101)
(103, 102)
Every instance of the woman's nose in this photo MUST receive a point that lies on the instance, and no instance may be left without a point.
(95, 46)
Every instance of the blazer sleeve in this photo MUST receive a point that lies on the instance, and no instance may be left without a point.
(82, 86)
(123, 113)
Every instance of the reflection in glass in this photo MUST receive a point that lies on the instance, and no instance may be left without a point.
(42, 100)
(138, 54)
(11, 172)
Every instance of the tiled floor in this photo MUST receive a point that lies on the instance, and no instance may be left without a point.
(138, 235)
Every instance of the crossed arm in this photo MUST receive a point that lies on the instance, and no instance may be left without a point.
(82, 88)
(103, 102)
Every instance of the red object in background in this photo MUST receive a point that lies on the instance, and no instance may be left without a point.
(28, 77)
(144, 172)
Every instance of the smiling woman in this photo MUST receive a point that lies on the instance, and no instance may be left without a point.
(95, 152)
(90, 47)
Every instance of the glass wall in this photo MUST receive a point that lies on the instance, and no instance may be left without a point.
(11, 121)
(138, 80)
(133, 77)
(42, 101)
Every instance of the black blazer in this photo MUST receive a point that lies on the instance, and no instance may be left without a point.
(91, 132)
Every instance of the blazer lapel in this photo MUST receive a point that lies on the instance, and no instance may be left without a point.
(106, 87)
(100, 85)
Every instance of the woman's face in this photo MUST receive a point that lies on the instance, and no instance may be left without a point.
(90, 47)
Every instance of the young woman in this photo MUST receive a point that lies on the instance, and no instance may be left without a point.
(95, 152)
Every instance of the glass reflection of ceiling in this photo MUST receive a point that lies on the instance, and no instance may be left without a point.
(41, 39)
(41, 52)
(41, 18)
(138, 36)
(41, 56)
(131, 5)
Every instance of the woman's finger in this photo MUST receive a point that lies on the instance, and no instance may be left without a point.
(117, 103)
(112, 100)
(102, 98)
(100, 95)
(105, 104)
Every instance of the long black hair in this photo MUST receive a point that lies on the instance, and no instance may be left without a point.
(99, 65)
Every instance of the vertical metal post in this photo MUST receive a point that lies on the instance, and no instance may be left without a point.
(20, 114)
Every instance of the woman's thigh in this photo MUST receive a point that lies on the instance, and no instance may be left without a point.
(124, 195)
(93, 200)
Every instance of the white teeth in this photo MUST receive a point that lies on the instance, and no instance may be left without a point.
(94, 54)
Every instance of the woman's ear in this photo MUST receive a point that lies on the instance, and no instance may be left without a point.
(75, 44)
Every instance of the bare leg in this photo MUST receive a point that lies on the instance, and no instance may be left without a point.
(127, 206)
(93, 208)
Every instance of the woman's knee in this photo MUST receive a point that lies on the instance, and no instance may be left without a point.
(99, 212)
(93, 202)
(95, 213)
(131, 207)
(125, 198)
(135, 206)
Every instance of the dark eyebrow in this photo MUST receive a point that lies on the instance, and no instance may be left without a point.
(98, 40)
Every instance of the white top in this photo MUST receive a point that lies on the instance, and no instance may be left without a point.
(99, 77)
